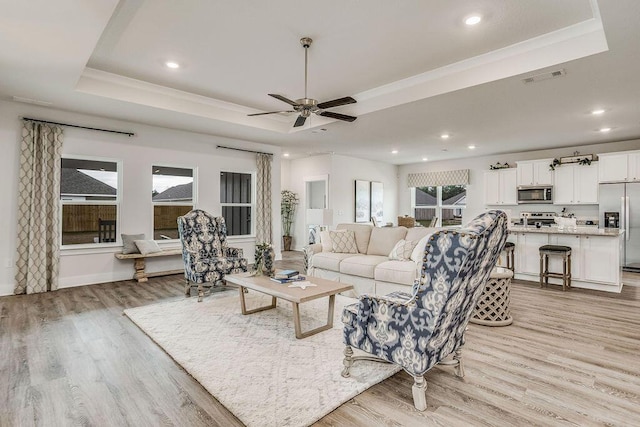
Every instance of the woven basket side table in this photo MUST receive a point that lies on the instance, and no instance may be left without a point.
(493, 307)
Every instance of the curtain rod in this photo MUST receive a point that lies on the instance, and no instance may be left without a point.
(80, 127)
(242, 149)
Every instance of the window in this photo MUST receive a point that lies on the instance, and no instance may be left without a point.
(89, 199)
(238, 202)
(172, 196)
(443, 202)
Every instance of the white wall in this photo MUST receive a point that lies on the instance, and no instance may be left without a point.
(151, 145)
(477, 166)
(342, 172)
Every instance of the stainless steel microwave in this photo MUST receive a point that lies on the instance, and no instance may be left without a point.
(535, 194)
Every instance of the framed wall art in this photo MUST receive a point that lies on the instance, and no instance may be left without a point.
(362, 201)
(377, 201)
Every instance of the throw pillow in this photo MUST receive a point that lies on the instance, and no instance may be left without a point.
(325, 240)
(128, 245)
(147, 247)
(344, 242)
(418, 250)
(402, 250)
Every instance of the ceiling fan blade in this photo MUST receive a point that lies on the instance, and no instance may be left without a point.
(337, 102)
(283, 99)
(299, 121)
(337, 116)
(271, 112)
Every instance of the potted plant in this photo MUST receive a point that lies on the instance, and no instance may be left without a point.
(287, 211)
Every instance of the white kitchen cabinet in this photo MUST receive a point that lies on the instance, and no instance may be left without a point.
(577, 264)
(535, 172)
(528, 252)
(576, 184)
(601, 260)
(619, 167)
(500, 187)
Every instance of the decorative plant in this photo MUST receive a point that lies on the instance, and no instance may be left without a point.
(584, 161)
(553, 164)
(499, 166)
(263, 259)
(288, 210)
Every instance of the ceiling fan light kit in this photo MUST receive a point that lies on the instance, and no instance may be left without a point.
(305, 106)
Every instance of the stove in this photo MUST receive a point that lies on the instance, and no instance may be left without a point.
(546, 219)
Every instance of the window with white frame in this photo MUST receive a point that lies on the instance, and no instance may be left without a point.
(237, 198)
(89, 200)
(444, 202)
(172, 196)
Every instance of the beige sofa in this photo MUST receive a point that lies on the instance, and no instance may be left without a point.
(370, 270)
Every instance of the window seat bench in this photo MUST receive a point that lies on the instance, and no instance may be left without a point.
(139, 264)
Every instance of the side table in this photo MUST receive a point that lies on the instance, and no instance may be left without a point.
(493, 307)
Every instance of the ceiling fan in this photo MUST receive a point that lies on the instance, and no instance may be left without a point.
(305, 106)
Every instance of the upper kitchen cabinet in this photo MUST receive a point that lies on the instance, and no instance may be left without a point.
(499, 187)
(576, 184)
(535, 172)
(619, 167)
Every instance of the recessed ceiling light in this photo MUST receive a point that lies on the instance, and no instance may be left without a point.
(286, 154)
(597, 112)
(445, 136)
(394, 152)
(472, 147)
(473, 20)
(172, 64)
(604, 130)
(424, 159)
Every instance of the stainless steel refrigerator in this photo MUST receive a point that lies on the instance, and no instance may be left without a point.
(620, 207)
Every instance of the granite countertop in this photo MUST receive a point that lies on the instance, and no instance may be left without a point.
(586, 231)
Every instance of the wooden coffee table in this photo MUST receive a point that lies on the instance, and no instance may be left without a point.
(296, 296)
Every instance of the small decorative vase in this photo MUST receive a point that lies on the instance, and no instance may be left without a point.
(268, 258)
(287, 242)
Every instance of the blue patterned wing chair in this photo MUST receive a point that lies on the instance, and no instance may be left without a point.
(420, 330)
(205, 253)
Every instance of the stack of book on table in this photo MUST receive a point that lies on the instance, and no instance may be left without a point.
(287, 276)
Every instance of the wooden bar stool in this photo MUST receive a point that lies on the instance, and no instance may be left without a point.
(555, 250)
(509, 251)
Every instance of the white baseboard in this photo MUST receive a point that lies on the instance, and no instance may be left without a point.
(6, 289)
(92, 279)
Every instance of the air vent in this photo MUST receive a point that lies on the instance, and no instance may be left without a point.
(545, 76)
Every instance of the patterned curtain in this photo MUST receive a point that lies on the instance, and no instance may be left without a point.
(38, 209)
(263, 205)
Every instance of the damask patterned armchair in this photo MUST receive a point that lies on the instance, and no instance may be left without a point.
(205, 253)
(420, 330)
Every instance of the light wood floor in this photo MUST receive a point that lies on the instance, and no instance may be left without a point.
(570, 358)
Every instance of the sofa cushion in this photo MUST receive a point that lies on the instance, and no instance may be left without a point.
(329, 260)
(361, 265)
(343, 242)
(402, 250)
(363, 233)
(417, 233)
(383, 239)
(396, 272)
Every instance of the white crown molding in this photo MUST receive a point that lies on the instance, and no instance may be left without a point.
(563, 45)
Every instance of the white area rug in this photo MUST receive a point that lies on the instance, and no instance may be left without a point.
(253, 364)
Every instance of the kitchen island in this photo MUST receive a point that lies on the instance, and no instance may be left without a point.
(596, 255)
